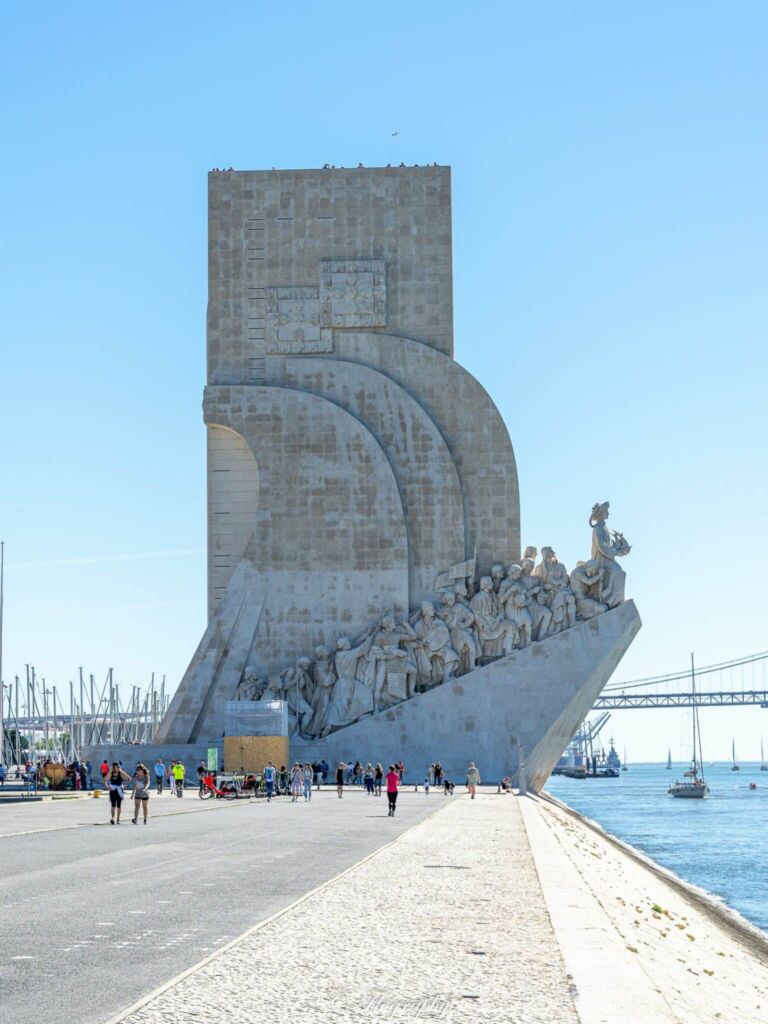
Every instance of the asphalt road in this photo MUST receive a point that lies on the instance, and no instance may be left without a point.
(92, 916)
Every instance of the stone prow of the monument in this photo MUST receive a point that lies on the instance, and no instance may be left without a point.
(351, 459)
(531, 701)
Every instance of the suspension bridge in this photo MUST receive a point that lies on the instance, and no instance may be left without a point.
(740, 682)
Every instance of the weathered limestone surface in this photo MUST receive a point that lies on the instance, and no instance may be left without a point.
(273, 229)
(481, 717)
(473, 429)
(329, 542)
(421, 462)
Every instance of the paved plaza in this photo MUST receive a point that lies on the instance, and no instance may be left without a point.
(494, 910)
(93, 916)
(448, 923)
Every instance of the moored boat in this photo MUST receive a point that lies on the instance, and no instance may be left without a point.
(693, 785)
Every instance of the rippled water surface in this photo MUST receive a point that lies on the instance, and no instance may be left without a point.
(720, 843)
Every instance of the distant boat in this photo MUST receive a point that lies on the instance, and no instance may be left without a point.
(763, 765)
(693, 785)
(669, 761)
(734, 766)
(613, 760)
(624, 764)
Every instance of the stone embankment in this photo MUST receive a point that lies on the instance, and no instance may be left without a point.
(494, 910)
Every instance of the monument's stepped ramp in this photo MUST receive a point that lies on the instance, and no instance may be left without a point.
(537, 697)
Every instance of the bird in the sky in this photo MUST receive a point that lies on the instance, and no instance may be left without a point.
(394, 134)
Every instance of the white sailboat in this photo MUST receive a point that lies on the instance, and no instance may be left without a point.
(624, 763)
(693, 785)
(669, 760)
(734, 766)
(763, 765)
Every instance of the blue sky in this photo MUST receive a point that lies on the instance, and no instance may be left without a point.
(609, 170)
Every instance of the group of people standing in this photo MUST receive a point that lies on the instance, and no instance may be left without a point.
(116, 780)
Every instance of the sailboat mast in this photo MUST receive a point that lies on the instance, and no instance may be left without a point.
(697, 754)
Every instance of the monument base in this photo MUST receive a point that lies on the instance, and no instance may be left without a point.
(528, 703)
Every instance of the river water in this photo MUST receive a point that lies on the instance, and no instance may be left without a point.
(719, 844)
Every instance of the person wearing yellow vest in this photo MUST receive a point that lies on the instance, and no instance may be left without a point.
(178, 774)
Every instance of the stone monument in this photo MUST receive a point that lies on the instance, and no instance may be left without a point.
(364, 555)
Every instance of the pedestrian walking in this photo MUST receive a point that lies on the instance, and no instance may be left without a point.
(473, 779)
(378, 778)
(432, 779)
(159, 775)
(140, 793)
(171, 779)
(308, 775)
(438, 773)
(269, 774)
(297, 782)
(202, 770)
(426, 786)
(283, 779)
(115, 780)
(400, 769)
(340, 779)
(325, 769)
(357, 774)
(179, 771)
(83, 773)
(393, 782)
(368, 777)
(104, 770)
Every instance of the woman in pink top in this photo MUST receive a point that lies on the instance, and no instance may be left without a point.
(393, 781)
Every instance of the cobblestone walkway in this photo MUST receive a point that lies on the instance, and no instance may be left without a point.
(447, 923)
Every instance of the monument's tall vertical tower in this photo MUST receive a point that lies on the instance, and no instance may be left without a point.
(350, 458)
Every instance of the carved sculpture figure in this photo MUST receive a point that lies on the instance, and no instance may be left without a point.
(497, 575)
(251, 687)
(325, 680)
(554, 576)
(541, 616)
(394, 670)
(607, 546)
(496, 636)
(294, 686)
(460, 621)
(395, 659)
(435, 658)
(585, 583)
(514, 598)
(352, 693)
